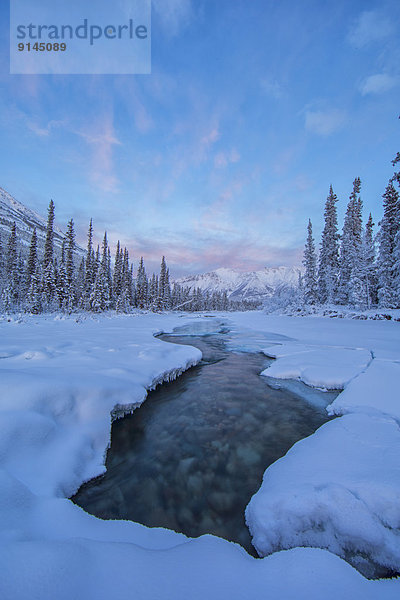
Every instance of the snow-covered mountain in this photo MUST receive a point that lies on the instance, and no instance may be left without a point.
(253, 285)
(25, 219)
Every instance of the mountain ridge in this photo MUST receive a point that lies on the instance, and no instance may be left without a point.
(239, 285)
(26, 219)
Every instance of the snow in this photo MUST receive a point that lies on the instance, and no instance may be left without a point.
(317, 366)
(339, 488)
(61, 379)
(376, 390)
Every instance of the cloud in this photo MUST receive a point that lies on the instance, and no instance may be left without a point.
(101, 138)
(378, 84)
(223, 159)
(209, 253)
(272, 88)
(210, 138)
(371, 26)
(173, 15)
(324, 122)
(43, 131)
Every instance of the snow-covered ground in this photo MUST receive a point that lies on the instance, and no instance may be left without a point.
(338, 489)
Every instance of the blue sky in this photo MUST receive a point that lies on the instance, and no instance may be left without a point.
(220, 156)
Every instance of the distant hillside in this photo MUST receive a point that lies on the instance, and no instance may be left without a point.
(25, 219)
(253, 285)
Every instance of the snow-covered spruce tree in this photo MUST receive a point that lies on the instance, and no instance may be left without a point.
(128, 286)
(328, 267)
(10, 294)
(117, 275)
(368, 262)
(141, 286)
(49, 243)
(33, 301)
(89, 271)
(80, 282)
(61, 285)
(309, 280)
(357, 288)
(396, 251)
(32, 263)
(389, 227)
(69, 266)
(101, 296)
(167, 292)
(109, 275)
(153, 292)
(122, 281)
(350, 249)
(176, 296)
(164, 290)
(50, 299)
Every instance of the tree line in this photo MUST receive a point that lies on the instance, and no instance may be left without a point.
(96, 283)
(356, 268)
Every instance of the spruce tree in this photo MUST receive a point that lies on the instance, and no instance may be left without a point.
(153, 292)
(127, 279)
(89, 270)
(49, 285)
(162, 285)
(80, 283)
(69, 265)
(61, 286)
(396, 252)
(370, 277)
(33, 301)
(389, 227)
(141, 286)
(32, 263)
(349, 283)
(309, 281)
(49, 243)
(329, 254)
(12, 271)
(100, 297)
(118, 272)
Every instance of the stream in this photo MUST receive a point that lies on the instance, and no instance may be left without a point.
(194, 453)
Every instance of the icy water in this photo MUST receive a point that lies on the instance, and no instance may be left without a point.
(194, 453)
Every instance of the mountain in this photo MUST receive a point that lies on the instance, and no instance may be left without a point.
(25, 219)
(253, 285)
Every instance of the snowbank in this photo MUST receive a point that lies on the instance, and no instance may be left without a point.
(337, 489)
(375, 391)
(60, 381)
(320, 367)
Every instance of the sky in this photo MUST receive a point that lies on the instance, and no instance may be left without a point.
(220, 156)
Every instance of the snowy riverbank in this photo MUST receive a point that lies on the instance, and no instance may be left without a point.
(339, 488)
(59, 382)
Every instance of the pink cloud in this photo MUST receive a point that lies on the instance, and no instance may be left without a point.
(222, 159)
(101, 138)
